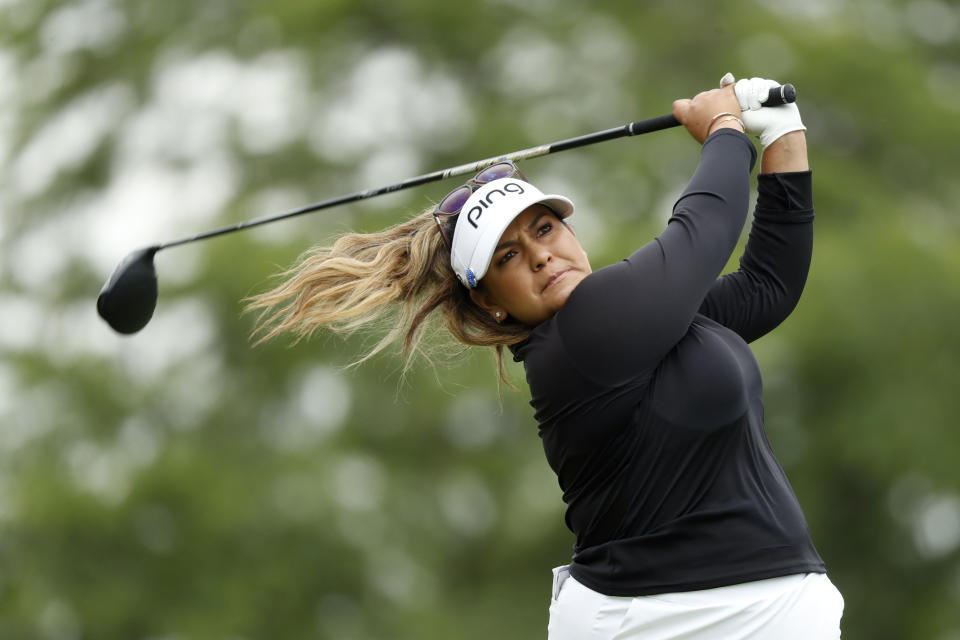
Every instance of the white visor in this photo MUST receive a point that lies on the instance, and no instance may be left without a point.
(486, 215)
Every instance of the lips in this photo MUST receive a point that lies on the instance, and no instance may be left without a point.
(557, 276)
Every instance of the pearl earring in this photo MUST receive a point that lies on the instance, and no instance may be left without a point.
(499, 315)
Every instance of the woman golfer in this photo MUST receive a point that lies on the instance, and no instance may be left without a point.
(648, 399)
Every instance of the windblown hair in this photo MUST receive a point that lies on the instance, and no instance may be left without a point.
(395, 279)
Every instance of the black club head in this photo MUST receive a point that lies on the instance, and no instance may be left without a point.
(129, 297)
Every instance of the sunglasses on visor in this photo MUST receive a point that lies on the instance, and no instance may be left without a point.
(453, 202)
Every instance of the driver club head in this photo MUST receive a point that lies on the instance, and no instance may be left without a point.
(129, 297)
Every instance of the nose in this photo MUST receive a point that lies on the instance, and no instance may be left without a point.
(540, 256)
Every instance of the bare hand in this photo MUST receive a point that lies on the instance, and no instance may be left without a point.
(697, 115)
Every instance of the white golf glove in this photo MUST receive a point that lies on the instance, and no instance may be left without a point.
(769, 123)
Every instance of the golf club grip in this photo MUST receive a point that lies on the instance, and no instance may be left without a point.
(781, 95)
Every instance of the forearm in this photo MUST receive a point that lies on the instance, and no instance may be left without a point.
(709, 216)
(774, 266)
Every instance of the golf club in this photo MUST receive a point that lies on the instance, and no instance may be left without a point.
(129, 297)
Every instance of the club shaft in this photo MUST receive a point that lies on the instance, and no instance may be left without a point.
(778, 95)
(631, 129)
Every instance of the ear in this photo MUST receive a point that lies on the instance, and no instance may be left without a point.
(483, 299)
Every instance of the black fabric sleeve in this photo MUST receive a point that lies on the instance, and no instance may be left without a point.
(622, 319)
(757, 297)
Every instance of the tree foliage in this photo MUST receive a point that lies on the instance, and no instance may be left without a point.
(182, 484)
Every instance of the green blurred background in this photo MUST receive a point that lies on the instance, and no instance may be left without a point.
(180, 484)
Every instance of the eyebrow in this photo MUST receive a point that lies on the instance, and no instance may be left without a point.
(504, 245)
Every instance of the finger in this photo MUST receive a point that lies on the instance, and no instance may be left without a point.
(763, 86)
(682, 111)
(742, 91)
(754, 93)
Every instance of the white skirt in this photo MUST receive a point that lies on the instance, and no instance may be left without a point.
(802, 606)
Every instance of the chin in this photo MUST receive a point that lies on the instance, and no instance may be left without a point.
(556, 296)
(565, 287)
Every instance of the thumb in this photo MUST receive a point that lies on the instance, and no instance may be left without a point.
(680, 109)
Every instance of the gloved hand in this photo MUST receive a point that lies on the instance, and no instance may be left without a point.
(769, 123)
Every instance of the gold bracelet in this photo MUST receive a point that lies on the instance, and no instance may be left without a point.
(727, 119)
(722, 113)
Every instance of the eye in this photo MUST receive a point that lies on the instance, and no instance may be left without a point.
(509, 254)
(545, 229)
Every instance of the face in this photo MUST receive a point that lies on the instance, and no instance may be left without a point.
(536, 265)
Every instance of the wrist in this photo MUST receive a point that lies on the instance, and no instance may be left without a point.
(785, 154)
(725, 120)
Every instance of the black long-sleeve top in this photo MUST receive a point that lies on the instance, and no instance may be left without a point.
(649, 401)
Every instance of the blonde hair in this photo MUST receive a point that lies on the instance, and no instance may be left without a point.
(394, 278)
